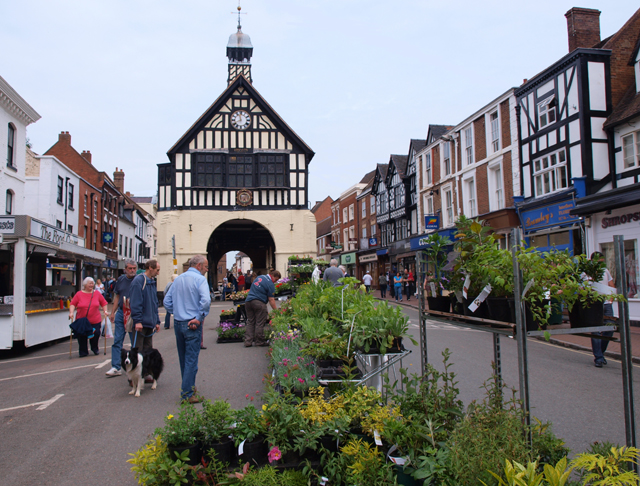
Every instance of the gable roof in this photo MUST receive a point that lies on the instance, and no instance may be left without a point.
(400, 162)
(317, 205)
(435, 132)
(242, 82)
(628, 108)
(368, 177)
(416, 145)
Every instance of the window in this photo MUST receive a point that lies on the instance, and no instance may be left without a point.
(70, 229)
(345, 236)
(351, 212)
(631, 265)
(550, 173)
(402, 230)
(364, 232)
(427, 169)
(120, 246)
(164, 175)
(428, 205)
(373, 229)
(95, 240)
(470, 189)
(446, 150)
(155, 247)
(86, 201)
(372, 207)
(209, 170)
(241, 172)
(344, 215)
(130, 247)
(58, 224)
(70, 202)
(631, 150)
(95, 210)
(9, 204)
(271, 170)
(11, 136)
(468, 145)
(496, 192)
(547, 112)
(495, 131)
(60, 190)
(364, 208)
(447, 197)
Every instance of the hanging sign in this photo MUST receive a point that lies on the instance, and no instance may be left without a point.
(480, 298)
(431, 221)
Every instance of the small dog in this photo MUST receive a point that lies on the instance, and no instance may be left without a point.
(147, 362)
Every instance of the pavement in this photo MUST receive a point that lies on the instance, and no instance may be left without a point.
(573, 341)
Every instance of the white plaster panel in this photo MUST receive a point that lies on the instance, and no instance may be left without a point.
(574, 131)
(248, 139)
(542, 142)
(526, 178)
(292, 162)
(545, 88)
(241, 139)
(281, 141)
(301, 179)
(562, 133)
(525, 153)
(178, 179)
(289, 146)
(161, 201)
(292, 195)
(232, 197)
(264, 140)
(292, 179)
(263, 197)
(255, 197)
(272, 197)
(273, 140)
(179, 161)
(209, 198)
(301, 162)
(217, 198)
(300, 197)
(597, 130)
(575, 154)
(524, 120)
(192, 144)
(225, 198)
(208, 139)
(187, 179)
(232, 139)
(572, 97)
(553, 138)
(200, 141)
(168, 197)
(600, 153)
(179, 198)
(279, 198)
(597, 94)
(561, 95)
(627, 181)
(187, 161)
(187, 198)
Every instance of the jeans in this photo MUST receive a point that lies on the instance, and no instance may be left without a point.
(383, 290)
(398, 292)
(167, 320)
(118, 340)
(599, 346)
(82, 341)
(188, 343)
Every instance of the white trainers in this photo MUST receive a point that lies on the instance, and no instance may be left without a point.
(113, 372)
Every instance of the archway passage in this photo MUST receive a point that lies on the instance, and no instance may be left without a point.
(242, 235)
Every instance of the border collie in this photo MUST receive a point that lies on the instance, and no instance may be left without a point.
(147, 362)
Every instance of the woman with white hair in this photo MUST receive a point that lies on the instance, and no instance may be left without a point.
(87, 303)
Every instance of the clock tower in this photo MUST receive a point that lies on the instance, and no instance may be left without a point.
(239, 52)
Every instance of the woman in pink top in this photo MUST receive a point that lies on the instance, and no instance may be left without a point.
(88, 304)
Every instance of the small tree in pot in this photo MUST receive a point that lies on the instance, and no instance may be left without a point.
(437, 255)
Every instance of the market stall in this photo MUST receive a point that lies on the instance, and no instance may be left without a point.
(41, 269)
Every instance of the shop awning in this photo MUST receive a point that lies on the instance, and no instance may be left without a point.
(411, 254)
(613, 199)
(81, 252)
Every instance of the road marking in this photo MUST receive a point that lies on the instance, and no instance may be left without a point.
(47, 372)
(579, 351)
(35, 357)
(103, 364)
(42, 406)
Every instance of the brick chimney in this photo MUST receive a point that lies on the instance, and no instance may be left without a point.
(118, 180)
(86, 155)
(65, 138)
(583, 26)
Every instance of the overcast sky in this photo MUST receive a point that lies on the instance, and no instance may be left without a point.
(355, 79)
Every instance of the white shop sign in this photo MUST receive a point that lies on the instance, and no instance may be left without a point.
(368, 258)
(7, 226)
(54, 235)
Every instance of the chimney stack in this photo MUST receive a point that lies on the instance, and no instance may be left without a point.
(86, 155)
(118, 180)
(583, 26)
(65, 138)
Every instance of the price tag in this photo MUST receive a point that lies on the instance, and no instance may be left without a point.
(465, 286)
(376, 438)
(480, 298)
(400, 461)
(241, 448)
(527, 287)
(433, 289)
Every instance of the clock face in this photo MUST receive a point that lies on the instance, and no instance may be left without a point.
(240, 119)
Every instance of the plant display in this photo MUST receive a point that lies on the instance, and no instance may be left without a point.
(183, 429)
(240, 295)
(437, 257)
(282, 285)
(230, 330)
(301, 259)
(217, 421)
(227, 313)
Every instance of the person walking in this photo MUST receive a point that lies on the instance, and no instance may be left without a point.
(241, 282)
(599, 346)
(261, 292)
(119, 308)
(333, 273)
(189, 301)
(366, 280)
(397, 286)
(88, 302)
(144, 306)
(409, 285)
(382, 283)
(167, 317)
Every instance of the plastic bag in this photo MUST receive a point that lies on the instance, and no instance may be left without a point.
(107, 331)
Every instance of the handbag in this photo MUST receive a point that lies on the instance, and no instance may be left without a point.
(126, 309)
(82, 326)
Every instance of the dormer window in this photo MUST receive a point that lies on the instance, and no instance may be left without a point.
(547, 112)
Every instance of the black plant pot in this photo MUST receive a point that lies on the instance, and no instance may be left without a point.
(255, 452)
(195, 452)
(482, 311)
(529, 319)
(501, 309)
(587, 316)
(324, 363)
(329, 442)
(225, 450)
(440, 304)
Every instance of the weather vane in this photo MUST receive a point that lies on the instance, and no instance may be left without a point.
(239, 13)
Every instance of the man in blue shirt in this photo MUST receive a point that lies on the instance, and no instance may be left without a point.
(261, 292)
(189, 301)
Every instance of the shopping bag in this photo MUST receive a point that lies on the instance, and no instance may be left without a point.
(107, 331)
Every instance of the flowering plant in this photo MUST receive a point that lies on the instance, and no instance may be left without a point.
(282, 285)
(241, 295)
(230, 330)
(274, 454)
(304, 258)
(185, 429)
(228, 313)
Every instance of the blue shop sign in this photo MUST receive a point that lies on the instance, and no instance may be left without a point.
(385, 251)
(431, 221)
(557, 214)
(107, 237)
(373, 242)
(420, 242)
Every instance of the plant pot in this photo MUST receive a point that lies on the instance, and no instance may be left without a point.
(329, 442)
(587, 316)
(195, 452)
(531, 323)
(324, 363)
(255, 452)
(225, 450)
(440, 304)
(403, 476)
(501, 309)
(482, 311)
(229, 340)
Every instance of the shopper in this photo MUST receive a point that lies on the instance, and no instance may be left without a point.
(333, 273)
(599, 346)
(382, 283)
(144, 306)
(409, 284)
(167, 317)
(397, 286)
(88, 302)
(366, 280)
(261, 292)
(189, 301)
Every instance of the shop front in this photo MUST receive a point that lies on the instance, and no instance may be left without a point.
(41, 266)
(502, 222)
(612, 213)
(368, 262)
(420, 243)
(549, 224)
(348, 260)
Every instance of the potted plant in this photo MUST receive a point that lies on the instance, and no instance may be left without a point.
(183, 432)
(217, 429)
(249, 436)
(437, 256)
(230, 332)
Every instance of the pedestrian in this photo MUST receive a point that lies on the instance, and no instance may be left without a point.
(189, 301)
(391, 285)
(261, 292)
(599, 346)
(99, 286)
(344, 270)
(144, 306)
(247, 280)
(382, 283)
(333, 273)
(88, 302)
(408, 275)
(233, 281)
(315, 276)
(167, 317)
(241, 281)
(119, 308)
(367, 281)
(397, 286)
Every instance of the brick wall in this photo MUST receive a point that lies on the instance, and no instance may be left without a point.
(505, 120)
(480, 139)
(507, 175)
(583, 27)
(435, 164)
(621, 45)
(482, 189)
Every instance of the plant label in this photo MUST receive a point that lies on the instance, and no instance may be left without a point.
(241, 448)
(376, 438)
(527, 287)
(465, 286)
(400, 461)
(480, 298)
(323, 481)
(433, 289)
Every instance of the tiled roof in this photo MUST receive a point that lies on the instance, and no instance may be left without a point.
(417, 144)
(368, 177)
(400, 161)
(437, 131)
(629, 107)
(323, 227)
(383, 170)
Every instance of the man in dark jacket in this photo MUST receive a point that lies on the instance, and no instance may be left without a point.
(144, 305)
